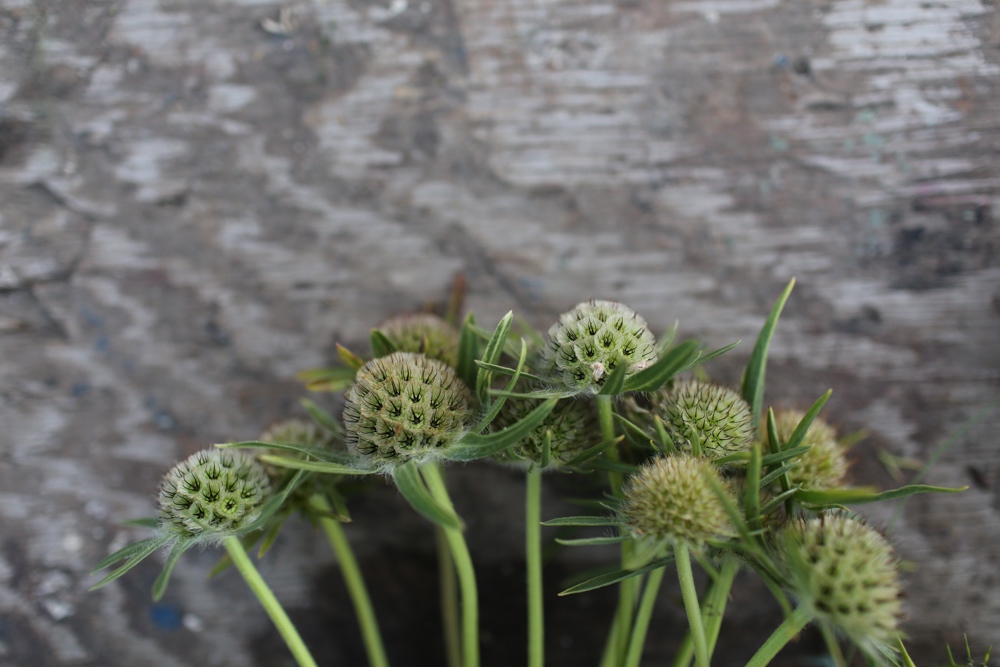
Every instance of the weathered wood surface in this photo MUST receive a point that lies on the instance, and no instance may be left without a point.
(194, 207)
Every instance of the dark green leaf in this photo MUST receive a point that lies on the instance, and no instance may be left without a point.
(614, 577)
(492, 354)
(468, 351)
(752, 387)
(546, 449)
(147, 522)
(784, 455)
(859, 495)
(411, 485)
(615, 382)
(495, 406)
(751, 498)
(660, 373)
(799, 434)
(177, 549)
(596, 450)
(381, 345)
(132, 555)
(474, 446)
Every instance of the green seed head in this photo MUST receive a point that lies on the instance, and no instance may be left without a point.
(718, 417)
(845, 572)
(405, 407)
(670, 500)
(425, 334)
(824, 466)
(573, 425)
(213, 492)
(591, 340)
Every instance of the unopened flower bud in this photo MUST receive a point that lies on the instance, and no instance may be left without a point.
(717, 416)
(824, 466)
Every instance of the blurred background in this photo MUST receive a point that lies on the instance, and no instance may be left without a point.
(199, 197)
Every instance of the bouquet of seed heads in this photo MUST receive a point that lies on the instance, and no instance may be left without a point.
(696, 473)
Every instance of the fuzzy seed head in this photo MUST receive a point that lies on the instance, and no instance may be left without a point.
(717, 416)
(424, 334)
(670, 500)
(824, 466)
(845, 572)
(591, 340)
(214, 491)
(572, 423)
(404, 407)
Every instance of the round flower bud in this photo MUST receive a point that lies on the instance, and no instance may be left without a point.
(591, 340)
(843, 571)
(425, 334)
(404, 407)
(670, 500)
(717, 416)
(572, 423)
(824, 466)
(213, 492)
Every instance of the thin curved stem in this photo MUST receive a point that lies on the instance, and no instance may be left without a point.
(449, 601)
(463, 568)
(267, 600)
(533, 557)
(691, 606)
(785, 633)
(713, 610)
(370, 634)
(644, 613)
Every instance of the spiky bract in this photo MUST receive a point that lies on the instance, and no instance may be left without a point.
(717, 416)
(671, 500)
(425, 334)
(405, 407)
(824, 466)
(213, 492)
(572, 424)
(591, 340)
(845, 572)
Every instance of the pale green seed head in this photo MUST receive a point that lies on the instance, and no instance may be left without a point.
(824, 466)
(213, 492)
(405, 407)
(670, 500)
(845, 572)
(591, 340)
(424, 334)
(572, 424)
(717, 416)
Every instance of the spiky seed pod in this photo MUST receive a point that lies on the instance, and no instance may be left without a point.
(213, 492)
(405, 407)
(824, 466)
(425, 334)
(717, 416)
(591, 340)
(845, 572)
(670, 500)
(573, 424)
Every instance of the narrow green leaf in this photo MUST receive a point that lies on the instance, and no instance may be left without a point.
(615, 382)
(269, 536)
(381, 345)
(323, 454)
(667, 339)
(541, 393)
(492, 354)
(411, 485)
(636, 433)
(591, 541)
(585, 520)
(323, 418)
(546, 449)
(751, 498)
(666, 443)
(468, 351)
(799, 434)
(777, 473)
(474, 446)
(177, 549)
(132, 555)
(772, 460)
(660, 373)
(316, 466)
(327, 379)
(614, 466)
(503, 370)
(715, 353)
(486, 334)
(496, 405)
(614, 577)
(862, 494)
(146, 522)
(752, 387)
(352, 360)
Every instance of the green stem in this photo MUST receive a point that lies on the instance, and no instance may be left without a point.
(449, 601)
(356, 588)
(463, 568)
(533, 556)
(712, 612)
(642, 617)
(691, 606)
(785, 633)
(267, 600)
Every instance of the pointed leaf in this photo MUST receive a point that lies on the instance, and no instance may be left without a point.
(615, 382)
(503, 370)
(473, 446)
(412, 487)
(612, 578)
(862, 494)
(468, 351)
(352, 360)
(660, 373)
(323, 454)
(327, 379)
(316, 466)
(799, 434)
(593, 452)
(752, 387)
(716, 353)
(546, 456)
(381, 345)
(751, 498)
(176, 551)
(323, 418)
(585, 520)
(667, 339)
(591, 541)
(496, 405)
(132, 555)
(541, 393)
(492, 353)
(146, 522)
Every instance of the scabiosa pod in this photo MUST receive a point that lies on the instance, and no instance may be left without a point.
(213, 493)
(714, 416)
(571, 427)
(844, 572)
(824, 465)
(590, 341)
(425, 334)
(405, 407)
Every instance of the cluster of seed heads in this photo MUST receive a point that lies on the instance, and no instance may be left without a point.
(425, 334)
(671, 500)
(591, 340)
(717, 416)
(845, 572)
(572, 425)
(824, 465)
(217, 492)
(405, 406)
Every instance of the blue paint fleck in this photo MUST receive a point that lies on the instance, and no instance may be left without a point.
(79, 389)
(102, 343)
(166, 616)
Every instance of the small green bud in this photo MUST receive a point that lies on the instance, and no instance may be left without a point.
(824, 466)
(424, 334)
(572, 423)
(213, 492)
(591, 340)
(845, 572)
(717, 416)
(405, 407)
(670, 500)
